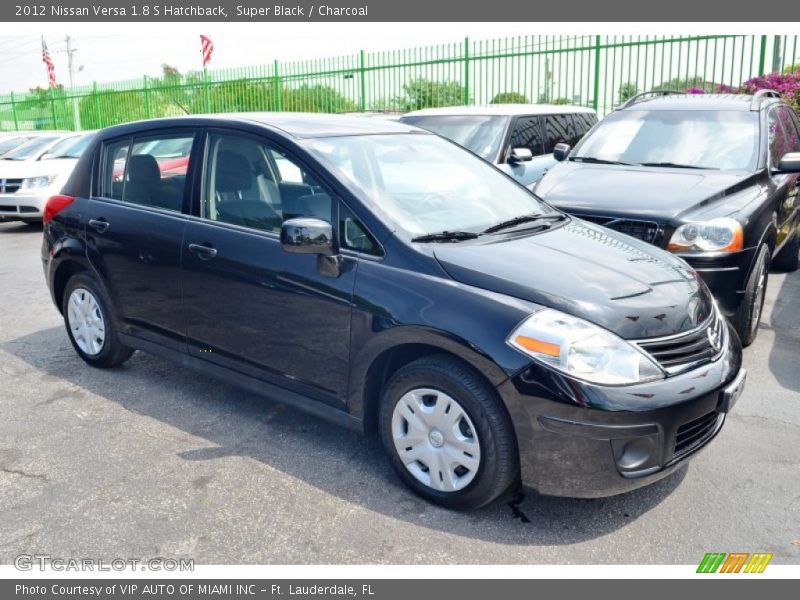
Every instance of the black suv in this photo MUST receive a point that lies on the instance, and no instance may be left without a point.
(710, 177)
(364, 271)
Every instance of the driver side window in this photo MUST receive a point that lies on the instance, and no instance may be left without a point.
(249, 183)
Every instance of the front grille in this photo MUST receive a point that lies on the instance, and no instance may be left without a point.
(9, 186)
(680, 352)
(647, 231)
(693, 434)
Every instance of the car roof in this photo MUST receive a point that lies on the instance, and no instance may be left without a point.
(297, 125)
(677, 101)
(510, 110)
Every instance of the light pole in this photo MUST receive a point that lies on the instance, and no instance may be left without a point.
(76, 115)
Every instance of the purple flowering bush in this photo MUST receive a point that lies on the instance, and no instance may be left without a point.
(787, 84)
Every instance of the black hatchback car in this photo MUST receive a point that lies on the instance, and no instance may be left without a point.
(710, 177)
(366, 272)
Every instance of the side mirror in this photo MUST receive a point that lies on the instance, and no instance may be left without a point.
(306, 235)
(561, 152)
(790, 163)
(519, 155)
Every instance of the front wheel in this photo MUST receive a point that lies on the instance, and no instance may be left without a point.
(448, 435)
(748, 316)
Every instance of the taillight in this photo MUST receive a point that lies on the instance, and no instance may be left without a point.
(55, 204)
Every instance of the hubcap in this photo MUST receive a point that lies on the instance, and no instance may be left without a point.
(86, 321)
(436, 440)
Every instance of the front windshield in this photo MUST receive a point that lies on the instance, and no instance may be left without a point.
(9, 144)
(71, 147)
(478, 133)
(423, 184)
(30, 149)
(694, 138)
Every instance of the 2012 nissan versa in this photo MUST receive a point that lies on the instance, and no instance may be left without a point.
(382, 277)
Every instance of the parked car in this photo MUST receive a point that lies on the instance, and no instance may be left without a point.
(11, 140)
(712, 178)
(34, 171)
(485, 335)
(519, 138)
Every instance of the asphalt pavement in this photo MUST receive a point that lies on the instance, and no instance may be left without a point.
(150, 459)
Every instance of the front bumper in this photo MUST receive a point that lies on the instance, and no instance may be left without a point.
(585, 441)
(725, 275)
(23, 205)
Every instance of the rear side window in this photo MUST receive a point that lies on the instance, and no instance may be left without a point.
(583, 123)
(528, 134)
(559, 129)
(783, 135)
(147, 170)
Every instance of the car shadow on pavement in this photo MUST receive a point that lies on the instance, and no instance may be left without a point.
(17, 227)
(785, 323)
(334, 460)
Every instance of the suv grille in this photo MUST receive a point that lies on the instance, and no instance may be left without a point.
(680, 352)
(9, 186)
(647, 231)
(694, 433)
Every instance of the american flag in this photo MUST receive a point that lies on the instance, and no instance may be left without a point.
(51, 68)
(208, 49)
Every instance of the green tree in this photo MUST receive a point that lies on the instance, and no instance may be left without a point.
(315, 98)
(681, 84)
(561, 101)
(510, 98)
(627, 90)
(424, 93)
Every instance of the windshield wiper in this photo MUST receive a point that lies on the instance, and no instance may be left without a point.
(532, 218)
(671, 164)
(446, 236)
(597, 161)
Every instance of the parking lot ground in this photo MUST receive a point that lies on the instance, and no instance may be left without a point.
(150, 459)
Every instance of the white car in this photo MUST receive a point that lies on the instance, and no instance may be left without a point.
(36, 170)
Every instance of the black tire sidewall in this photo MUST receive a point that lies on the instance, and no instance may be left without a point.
(744, 315)
(486, 413)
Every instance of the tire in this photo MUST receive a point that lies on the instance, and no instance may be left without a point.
(788, 259)
(84, 318)
(473, 431)
(748, 316)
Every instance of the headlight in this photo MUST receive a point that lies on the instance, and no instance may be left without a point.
(34, 183)
(717, 235)
(582, 350)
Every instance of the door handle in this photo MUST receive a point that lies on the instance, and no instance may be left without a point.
(203, 252)
(99, 225)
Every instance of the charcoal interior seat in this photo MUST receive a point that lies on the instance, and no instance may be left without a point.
(144, 179)
(238, 198)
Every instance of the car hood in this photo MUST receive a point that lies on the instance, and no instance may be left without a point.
(636, 192)
(20, 169)
(622, 284)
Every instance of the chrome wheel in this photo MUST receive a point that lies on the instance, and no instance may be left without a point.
(436, 440)
(86, 321)
(758, 299)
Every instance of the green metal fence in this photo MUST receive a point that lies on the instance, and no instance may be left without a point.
(596, 71)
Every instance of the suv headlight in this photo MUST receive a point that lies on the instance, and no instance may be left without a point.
(35, 183)
(717, 235)
(582, 350)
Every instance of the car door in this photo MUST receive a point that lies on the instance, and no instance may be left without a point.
(526, 132)
(249, 304)
(134, 230)
(784, 137)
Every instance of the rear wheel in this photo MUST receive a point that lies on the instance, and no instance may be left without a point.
(788, 259)
(748, 316)
(448, 436)
(90, 325)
